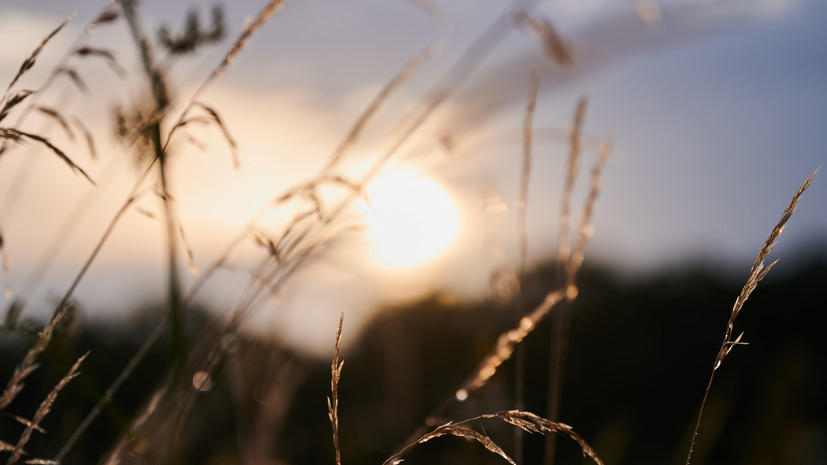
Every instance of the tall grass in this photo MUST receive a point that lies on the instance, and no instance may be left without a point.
(757, 272)
(158, 433)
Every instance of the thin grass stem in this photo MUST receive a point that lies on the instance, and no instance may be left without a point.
(522, 238)
(757, 272)
(560, 318)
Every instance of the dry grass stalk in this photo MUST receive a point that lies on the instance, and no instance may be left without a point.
(532, 423)
(87, 135)
(26, 422)
(586, 230)
(74, 77)
(461, 431)
(229, 138)
(43, 410)
(757, 272)
(29, 62)
(522, 237)
(560, 319)
(575, 262)
(261, 18)
(109, 15)
(506, 342)
(108, 57)
(57, 117)
(572, 166)
(191, 266)
(21, 372)
(193, 35)
(397, 81)
(13, 312)
(124, 444)
(18, 136)
(561, 316)
(555, 47)
(522, 202)
(29, 362)
(160, 96)
(525, 421)
(13, 100)
(60, 69)
(110, 392)
(333, 400)
(212, 118)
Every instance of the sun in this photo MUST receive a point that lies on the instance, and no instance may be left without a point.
(411, 219)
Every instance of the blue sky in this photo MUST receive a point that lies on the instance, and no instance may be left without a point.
(718, 113)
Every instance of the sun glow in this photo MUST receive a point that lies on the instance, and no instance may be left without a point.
(411, 219)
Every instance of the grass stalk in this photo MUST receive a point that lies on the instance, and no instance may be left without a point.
(525, 421)
(110, 392)
(333, 400)
(522, 235)
(561, 316)
(757, 273)
(43, 410)
(160, 96)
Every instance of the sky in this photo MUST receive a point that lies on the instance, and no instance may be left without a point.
(716, 110)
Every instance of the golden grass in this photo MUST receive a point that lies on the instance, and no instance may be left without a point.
(757, 273)
(29, 362)
(525, 421)
(43, 410)
(333, 400)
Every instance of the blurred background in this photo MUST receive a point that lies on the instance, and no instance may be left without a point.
(716, 111)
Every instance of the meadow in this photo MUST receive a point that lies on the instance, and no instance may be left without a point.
(506, 378)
